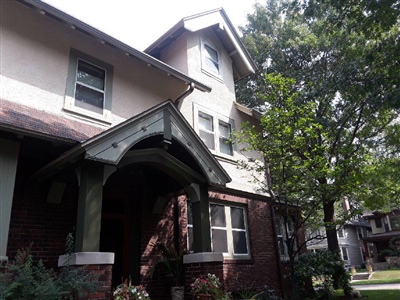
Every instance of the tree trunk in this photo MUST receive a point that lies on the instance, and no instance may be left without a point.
(330, 227)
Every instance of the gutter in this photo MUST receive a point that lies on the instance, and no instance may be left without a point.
(185, 94)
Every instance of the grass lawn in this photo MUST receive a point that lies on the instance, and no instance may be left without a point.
(386, 276)
(377, 294)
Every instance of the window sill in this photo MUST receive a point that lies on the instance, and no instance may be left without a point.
(88, 116)
(215, 76)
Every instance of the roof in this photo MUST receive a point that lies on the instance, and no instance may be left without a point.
(382, 236)
(76, 24)
(218, 20)
(21, 119)
(114, 146)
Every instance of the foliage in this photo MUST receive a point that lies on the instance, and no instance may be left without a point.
(393, 249)
(328, 90)
(127, 291)
(326, 268)
(209, 285)
(25, 279)
(173, 262)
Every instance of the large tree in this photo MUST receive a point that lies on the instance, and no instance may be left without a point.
(328, 87)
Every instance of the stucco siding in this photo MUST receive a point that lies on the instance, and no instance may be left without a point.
(35, 59)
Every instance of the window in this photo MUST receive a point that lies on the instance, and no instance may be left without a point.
(341, 233)
(210, 59)
(360, 233)
(345, 254)
(378, 223)
(394, 222)
(228, 230)
(89, 86)
(215, 132)
(285, 232)
(229, 233)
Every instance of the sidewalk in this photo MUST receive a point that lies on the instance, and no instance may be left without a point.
(386, 286)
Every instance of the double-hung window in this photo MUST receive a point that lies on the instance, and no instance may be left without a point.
(228, 230)
(211, 59)
(229, 233)
(89, 86)
(215, 131)
(360, 233)
(345, 254)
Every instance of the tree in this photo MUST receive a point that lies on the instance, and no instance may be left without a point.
(329, 92)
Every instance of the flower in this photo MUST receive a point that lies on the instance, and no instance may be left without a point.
(127, 291)
(209, 285)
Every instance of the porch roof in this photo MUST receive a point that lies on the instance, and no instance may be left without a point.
(382, 237)
(115, 143)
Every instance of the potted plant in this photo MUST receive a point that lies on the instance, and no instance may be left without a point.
(207, 288)
(173, 263)
(127, 291)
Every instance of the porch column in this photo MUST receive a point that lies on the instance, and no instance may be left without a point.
(9, 151)
(198, 194)
(89, 207)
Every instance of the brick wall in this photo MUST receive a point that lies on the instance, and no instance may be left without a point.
(43, 225)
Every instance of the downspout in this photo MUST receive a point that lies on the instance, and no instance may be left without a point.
(185, 94)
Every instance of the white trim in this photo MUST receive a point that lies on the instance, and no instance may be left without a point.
(204, 67)
(3, 258)
(86, 258)
(216, 118)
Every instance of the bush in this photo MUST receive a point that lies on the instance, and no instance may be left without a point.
(327, 270)
(25, 279)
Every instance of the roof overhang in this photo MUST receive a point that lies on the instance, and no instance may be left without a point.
(75, 24)
(218, 20)
(112, 147)
(382, 237)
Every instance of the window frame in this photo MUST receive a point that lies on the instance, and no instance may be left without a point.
(342, 253)
(217, 118)
(343, 233)
(360, 233)
(72, 80)
(229, 230)
(204, 58)
(281, 238)
(227, 207)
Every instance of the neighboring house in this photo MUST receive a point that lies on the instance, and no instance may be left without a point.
(385, 226)
(351, 242)
(126, 149)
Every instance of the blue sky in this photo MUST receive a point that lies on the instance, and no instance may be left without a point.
(140, 22)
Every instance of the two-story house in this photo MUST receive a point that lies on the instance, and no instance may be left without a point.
(126, 149)
(385, 226)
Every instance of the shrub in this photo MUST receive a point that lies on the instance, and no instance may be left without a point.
(327, 269)
(25, 279)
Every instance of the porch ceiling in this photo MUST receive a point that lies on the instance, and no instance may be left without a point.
(111, 146)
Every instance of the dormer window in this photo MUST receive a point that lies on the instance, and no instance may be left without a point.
(210, 59)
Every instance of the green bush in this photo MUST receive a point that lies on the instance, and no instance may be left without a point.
(326, 269)
(25, 279)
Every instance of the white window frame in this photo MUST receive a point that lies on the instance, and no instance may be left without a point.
(229, 230)
(69, 104)
(359, 231)
(205, 57)
(342, 253)
(341, 230)
(216, 119)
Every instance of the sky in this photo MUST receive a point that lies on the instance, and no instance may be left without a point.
(139, 23)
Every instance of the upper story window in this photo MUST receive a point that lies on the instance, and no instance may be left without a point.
(378, 223)
(341, 233)
(344, 253)
(210, 59)
(89, 86)
(229, 233)
(360, 233)
(215, 131)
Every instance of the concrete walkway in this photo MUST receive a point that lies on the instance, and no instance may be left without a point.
(386, 286)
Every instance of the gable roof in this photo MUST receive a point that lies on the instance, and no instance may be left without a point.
(114, 145)
(217, 19)
(78, 25)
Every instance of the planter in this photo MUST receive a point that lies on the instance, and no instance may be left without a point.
(177, 293)
(204, 297)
